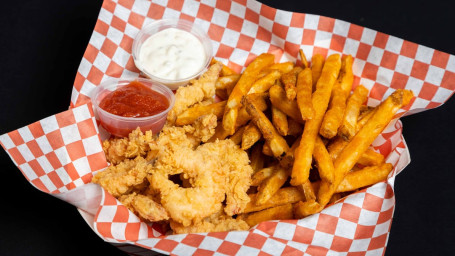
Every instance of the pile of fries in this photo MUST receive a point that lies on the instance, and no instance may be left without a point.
(308, 137)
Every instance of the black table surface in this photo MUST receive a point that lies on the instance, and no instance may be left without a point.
(42, 44)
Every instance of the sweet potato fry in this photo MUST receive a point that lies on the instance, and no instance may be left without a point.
(282, 212)
(320, 100)
(250, 136)
(262, 174)
(317, 62)
(304, 90)
(279, 100)
(303, 59)
(256, 158)
(289, 81)
(348, 126)
(362, 140)
(190, 115)
(370, 158)
(263, 84)
(288, 195)
(323, 161)
(365, 177)
(280, 121)
(237, 136)
(271, 185)
(277, 143)
(341, 89)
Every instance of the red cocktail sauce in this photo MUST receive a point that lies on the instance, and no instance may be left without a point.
(134, 100)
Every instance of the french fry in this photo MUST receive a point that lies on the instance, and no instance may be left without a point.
(288, 158)
(256, 158)
(261, 175)
(289, 80)
(279, 100)
(308, 190)
(370, 158)
(364, 177)
(237, 136)
(295, 128)
(220, 133)
(266, 150)
(335, 198)
(303, 209)
(334, 116)
(323, 161)
(304, 90)
(317, 63)
(283, 67)
(362, 140)
(320, 100)
(348, 126)
(282, 212)
(303, 59)
(263, 84)
(271, 185)
(243, 116)
(250, 136)
(242, 87)
(221, 93)
(280, 121)
(225, 82)
(191, 114)
(288, 195)
(277, 143)
(363, 119)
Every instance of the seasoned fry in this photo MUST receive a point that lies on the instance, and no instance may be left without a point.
(225, 70)
(262, 174)
(317, 63)
(348, 126)
(304, 91)
(323, 161)
(303, 59)
(279, 100)
(225, 82)
(280, 121)
(364, 177)
(288, 159)
(242, 87)
(221, 93)
(256, 158)
(288, 195)
(220, 133)
(282, 212)
(303, 209)
(237, 136)
(334, 116)
(362, 140)
(250, 136)
(271, 185)
(277, 143)
(289, 80)
(370, 158)
(266, 150)
(263, 84)
(320, 100)
(190, 115)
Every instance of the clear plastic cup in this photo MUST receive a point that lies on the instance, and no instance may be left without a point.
(160, 25)
(121, 126)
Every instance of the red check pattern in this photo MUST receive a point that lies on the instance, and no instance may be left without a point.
(59, 154)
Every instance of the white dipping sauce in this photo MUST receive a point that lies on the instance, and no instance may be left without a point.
(172, 54)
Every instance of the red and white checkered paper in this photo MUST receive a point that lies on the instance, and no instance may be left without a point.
(59, 154)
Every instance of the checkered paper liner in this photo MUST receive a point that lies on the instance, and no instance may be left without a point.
(59, 154)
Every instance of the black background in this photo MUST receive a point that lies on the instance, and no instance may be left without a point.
(42, 44)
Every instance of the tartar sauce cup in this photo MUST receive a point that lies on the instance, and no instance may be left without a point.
(121, 126)
(203, 42)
